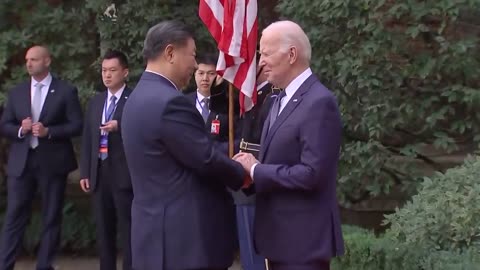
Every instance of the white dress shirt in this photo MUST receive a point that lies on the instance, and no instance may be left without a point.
(46, 86)
(118, 95)
(199, 103)
(293, 87)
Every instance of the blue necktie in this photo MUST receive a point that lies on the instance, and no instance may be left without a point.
(205, 109)
(276, 108)
(108, 117)
(110, 109)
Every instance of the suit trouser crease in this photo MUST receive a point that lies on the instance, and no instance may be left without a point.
(21, 193)
(112, 206)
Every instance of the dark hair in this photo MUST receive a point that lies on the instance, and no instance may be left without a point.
(114, 54)
(163, 34)
(207, 59)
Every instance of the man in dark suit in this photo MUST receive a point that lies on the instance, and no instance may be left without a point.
(211, 100)
(103, 166)
(41, 116)
(295, 176)
(205, 76)
(181, 211)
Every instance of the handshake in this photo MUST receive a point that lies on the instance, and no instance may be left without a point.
(247, 161)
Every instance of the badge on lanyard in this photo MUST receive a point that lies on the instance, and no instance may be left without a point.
(103, 143)
(108, 114)
(215, 128)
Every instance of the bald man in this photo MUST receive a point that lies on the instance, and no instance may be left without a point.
(297, 222)
(42, 114)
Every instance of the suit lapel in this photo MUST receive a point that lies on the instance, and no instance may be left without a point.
(97, 114)
(121, 103)
(289, 108)
(51, 93)
(27, 96)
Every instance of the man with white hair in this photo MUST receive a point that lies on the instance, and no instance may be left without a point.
(295, 175)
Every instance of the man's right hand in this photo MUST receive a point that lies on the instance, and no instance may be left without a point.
(26, 125)
(85, 185)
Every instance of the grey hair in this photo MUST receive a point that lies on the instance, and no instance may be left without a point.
(163, 34)
(293, 35)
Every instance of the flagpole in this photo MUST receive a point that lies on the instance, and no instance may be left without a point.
(231, 108)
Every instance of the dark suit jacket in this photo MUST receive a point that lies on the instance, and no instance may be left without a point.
(91, 141)
(223, 118)
(219, 111)
(253, 120)
(296, 180)
(182, 214)
(61, 113)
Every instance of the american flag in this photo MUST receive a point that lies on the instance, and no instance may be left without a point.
(233, 25)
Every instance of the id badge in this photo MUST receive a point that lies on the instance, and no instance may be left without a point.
(215, 128)
(104, 143)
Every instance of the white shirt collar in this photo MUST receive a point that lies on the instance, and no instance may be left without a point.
(297, 82)
(200, 96)
(45, 82)
(118, 94)
(163, 77)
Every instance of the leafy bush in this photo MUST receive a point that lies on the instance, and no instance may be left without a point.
(445, 214)
(365, 251)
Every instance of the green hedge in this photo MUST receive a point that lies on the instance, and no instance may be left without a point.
(445, 214)
(365, 251)
(437, 230)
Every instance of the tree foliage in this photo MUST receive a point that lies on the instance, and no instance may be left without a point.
(406, 77)
(63, 26)
(133, 18)
(79, 32)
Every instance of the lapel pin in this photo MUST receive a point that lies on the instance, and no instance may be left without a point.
(126, 97)
(295, 100)
(259, 92)
(52, 91)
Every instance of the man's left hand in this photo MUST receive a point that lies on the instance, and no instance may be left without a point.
(110, 126)
(246, 159)
(38, 130)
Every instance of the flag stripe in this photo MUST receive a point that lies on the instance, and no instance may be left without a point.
(233, 25)
(211, 13)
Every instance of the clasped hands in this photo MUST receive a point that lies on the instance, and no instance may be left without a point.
(247, 161)
(37, 129)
